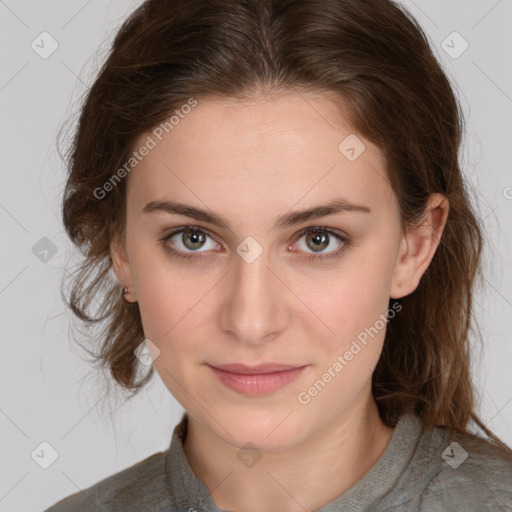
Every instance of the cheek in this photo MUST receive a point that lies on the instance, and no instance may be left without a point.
(173, 305)
(352, 299)
(171, 318)
(171, 314)
(355, 309)
(164, 294)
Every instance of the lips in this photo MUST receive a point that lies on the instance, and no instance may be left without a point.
(257, 380)
(244, 369)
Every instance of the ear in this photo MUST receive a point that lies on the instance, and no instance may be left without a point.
(122, 269)
(418, 247)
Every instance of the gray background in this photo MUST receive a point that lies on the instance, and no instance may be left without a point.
(49, 394)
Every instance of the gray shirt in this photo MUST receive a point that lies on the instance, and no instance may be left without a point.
(420, 470)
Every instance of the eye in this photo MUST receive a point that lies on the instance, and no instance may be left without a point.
(189, 242)
(188, 238)
(317, 239)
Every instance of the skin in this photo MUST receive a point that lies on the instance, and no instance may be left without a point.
(251, 162)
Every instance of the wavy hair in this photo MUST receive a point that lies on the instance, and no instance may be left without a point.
(375, 60)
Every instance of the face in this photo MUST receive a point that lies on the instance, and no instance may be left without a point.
(257, 287)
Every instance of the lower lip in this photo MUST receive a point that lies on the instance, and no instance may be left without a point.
(257, 384)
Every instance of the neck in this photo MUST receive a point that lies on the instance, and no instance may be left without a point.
(298, 478)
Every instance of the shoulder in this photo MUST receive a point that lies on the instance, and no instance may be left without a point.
(138, 487)
(473, 474)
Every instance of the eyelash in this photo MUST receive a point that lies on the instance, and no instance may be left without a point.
(311, 257)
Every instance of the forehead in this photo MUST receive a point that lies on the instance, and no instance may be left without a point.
(265, 151)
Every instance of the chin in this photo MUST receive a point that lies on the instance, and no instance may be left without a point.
(277, 430)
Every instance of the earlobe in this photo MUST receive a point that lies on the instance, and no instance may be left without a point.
(122, 270)
(418, 247)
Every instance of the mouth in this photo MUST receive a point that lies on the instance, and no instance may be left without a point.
(256, 380)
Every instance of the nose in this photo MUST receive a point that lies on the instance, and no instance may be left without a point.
(255, 309)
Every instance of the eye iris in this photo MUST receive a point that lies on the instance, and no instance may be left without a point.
(197, 238)
(320, 240)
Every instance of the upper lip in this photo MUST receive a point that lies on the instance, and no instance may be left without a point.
(256, 369)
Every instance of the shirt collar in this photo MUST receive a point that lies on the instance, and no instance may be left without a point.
(188, 493)
(397, 475)
(388, 482)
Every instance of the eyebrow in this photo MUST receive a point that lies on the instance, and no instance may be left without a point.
(287, 220)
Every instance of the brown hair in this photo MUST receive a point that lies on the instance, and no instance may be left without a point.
(376, 60)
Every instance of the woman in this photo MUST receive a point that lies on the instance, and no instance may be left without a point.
(276, 186)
